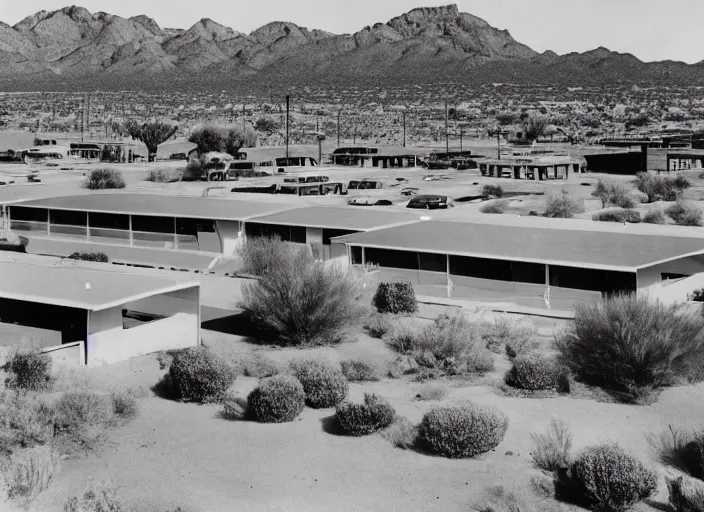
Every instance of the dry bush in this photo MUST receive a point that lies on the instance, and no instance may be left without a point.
(260, 254)
(431, 392)
(685, 494)
(462, 431)
(124, 403)
(612, 193)
(363, 419)
(324, 384)
(684, 214)
(538, 373)
(277, 399)
(199, 375)
(79, 409)
(361, 370)
(633, 346)
(304, 302)
(660, 188)
(99, 179)
(507, 335)
(492, 191)
(24, 421)
(29, 472)
(551, 450)
(395, 298)
(29, 369)
(656, 216)
(378, 325)
(164, 175)
(562, 206)
(259, 366)
(401, 433)
(99, 257)
(500, 499)
(498, 207)
(629, 216)
(607, 478)
(99, 497)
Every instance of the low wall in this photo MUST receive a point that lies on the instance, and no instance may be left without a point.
(70, 354)
(671, 292)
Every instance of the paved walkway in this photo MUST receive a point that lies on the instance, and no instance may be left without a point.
(500, 307)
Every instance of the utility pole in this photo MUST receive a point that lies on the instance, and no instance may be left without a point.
(88, 116)
(288, 106)
(447, 135)
(461, 136)
(355, 134)
(244, 117)
(404, 128)
(338, 127)
(83, 115)
(498, 143)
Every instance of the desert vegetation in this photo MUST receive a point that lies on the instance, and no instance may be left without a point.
(99, 179)
(99, 257)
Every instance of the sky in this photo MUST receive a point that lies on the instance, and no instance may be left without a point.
(649, 29)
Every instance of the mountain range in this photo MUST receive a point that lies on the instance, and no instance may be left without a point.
(74, 48)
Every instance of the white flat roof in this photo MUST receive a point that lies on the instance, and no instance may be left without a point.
(79, 287)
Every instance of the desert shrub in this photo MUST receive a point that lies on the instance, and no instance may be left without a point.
(277, 399)
(163, 175)
(304, 302)
(499, 499)
(234, 407)
(324, 384)
(693, 455)
(431, 392)
(630, 216)
(492, 191)
(632, 345)
(362, 419)
(404, 337)
(401, 433)
(100, 257)
(78, 409)
(198, 375)
(684, 214)
(562, 206)
(505, 335)
(654, 217)
(259, 366)
(551, 450)
(97, 498)
(99, 179)
(462, 431)
(24, 421)
(696, 295)
(680, 449)
(377, 326)
(609, 479)
(262, 253)
(535, 373)
(395, 298)
(660, 188)
(30, 472)
(680, 182)
(613, 193)
(498, 207)
(28, 369)
(194, 170)
(685, 494)
(124, 403)
(360, 370)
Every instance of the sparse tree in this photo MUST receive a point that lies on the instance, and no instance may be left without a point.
(151, 134)
(534, 127)
(230, 141)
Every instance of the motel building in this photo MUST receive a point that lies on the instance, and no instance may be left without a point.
(529, 262)
(95, 314)
(532, 168)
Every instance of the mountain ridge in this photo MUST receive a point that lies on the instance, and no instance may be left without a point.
(72, 45)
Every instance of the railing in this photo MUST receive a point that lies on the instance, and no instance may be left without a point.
(25, 225)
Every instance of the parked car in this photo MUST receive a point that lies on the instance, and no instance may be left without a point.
(429, 202)
(178, 156)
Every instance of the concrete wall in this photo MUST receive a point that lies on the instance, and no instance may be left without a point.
(228, 231)
(674, 291)
(109, 342)
(70, 354)
(650, 280)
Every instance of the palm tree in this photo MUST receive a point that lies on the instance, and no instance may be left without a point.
(152, 134)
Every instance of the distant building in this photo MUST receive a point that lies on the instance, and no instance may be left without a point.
(532, 167)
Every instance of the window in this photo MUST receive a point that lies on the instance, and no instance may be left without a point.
(392, 259)
(109, 220)
(68, 218)
(194, 226)
(296, 234)
(668, 276)
(532, 273)
(481, 268)
(151, 224)
(332, 233)
(604, 281)
(28, 214)
(432, 262)
(356, 255)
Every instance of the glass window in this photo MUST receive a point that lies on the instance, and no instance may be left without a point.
(532, 273)
(356, 255)
(433, 262)
(604, 281)
(392, 259)
(481, 268)
(297, 234)
(332, 233)
(151, 224)
(28, 214)
(194, 226)
(68, 218)
(109, 220)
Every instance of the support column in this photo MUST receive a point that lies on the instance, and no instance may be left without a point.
(536, 173)
(48, 222)
(131, 233)
(175, 235)
(364, 259)
(88, 226)
(449, 279)
(547, 285)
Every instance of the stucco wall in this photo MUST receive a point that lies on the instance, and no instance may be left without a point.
(70, 354)
(228, 231)
(674, 291)
(109, 342)
(649, 279)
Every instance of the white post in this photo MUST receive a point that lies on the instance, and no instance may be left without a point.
(131, 235)
(449, 279)
(48, 222)
(88, 226)
(175, 235)
(546, 297)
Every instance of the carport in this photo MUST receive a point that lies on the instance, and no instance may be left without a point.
(103, 317)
